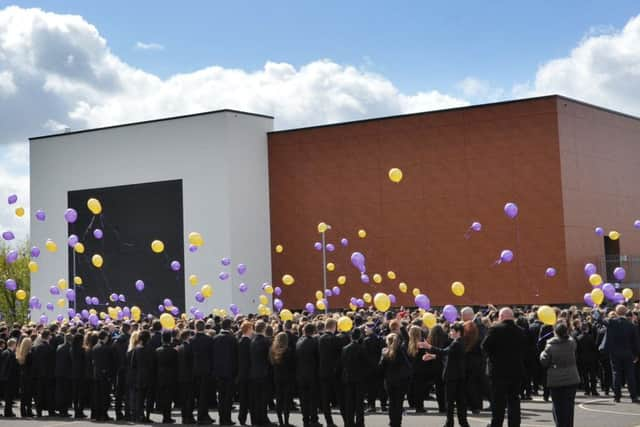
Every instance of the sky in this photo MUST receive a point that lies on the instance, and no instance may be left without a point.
(78, 64)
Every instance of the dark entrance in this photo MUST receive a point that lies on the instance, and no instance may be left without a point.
(611, 256)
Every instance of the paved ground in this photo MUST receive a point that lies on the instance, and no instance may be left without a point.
(590, 412)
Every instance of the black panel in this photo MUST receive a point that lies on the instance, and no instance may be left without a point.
(132, 217)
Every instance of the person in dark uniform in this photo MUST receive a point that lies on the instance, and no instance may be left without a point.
(132, 374)
(329, 351)
(63, 377)
(9, 376)
(282, 359)
(202, 351)
(419, 379)
(396, 369)
(142, 365)
(373, 345)
(453, 374)
(25, 362)
(166, 367)
(120, 346)
(259, 375)
(185, 377)
(44, 361)
(587, 359)
(88, 390)
(623, 346)
(354, 361)
(103, 368)
(78, 360)
(244, 366)
(225, 362)
(306, 375)
(438, 338)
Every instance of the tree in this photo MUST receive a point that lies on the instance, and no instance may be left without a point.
(12, 310)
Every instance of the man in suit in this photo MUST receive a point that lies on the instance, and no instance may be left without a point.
(225, 360)
(504, 346)
(9, 377)
(63, 376)
(202, 350)
(373, 345)
(621, 343)
(142, 366)
(244, 366)
(44, 364)
(259, 375)
(185, 377)
(166, 366)
(329, 351)
(354, 371)
(306, 375)
(120, 346)
(103, 368)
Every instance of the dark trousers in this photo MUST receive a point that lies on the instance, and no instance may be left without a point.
(258, 395)
(589, 376)
(418, 391)
(121, 399)
(283, 401)
(225, 399)
(77, 385)
(396, 394)
(308, 402)
(185, 398)
(622, 368)
(9, 392)
(606, 376)
(201, 387)
(102, 394)
(375, 390)
(44, 395)
(563, 399)
(164, 398)
(455, 392)
(505, 395)
(353, 404)
(440, 396)
(26, 396)
(63, 394)
(244, 401)
(329, 391)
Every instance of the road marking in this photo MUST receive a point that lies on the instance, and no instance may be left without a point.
(487, 421)
(604, 411)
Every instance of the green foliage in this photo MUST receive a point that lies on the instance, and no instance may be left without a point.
(12, 310)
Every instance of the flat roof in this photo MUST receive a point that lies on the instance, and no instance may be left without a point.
(466, 107)
(226, 110)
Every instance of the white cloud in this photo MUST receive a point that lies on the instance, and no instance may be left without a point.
(14, 179)
(7, 85)
(148, 46)
(481, 90)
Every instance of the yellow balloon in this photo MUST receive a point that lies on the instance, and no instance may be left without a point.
(77, 280)
(206, 291)
(51, 245)
(627, 293)
(268, 289)
(264, 300)
(20, 212)
(94, 206)
(415, 292)
(157, 246)
(79, 248)
(320, 305)
(367, 297)
(457, 288)
(21, 295)
(362, 233)
(381, 302)
(345, 324)
(102, 315)
(597, 296)
(288, 279)
(353, 307)
(33, 266)
(429, 320)
(286, 315)
(322, 227)
(614, 235)
(342, 280)
(391, 275)
(595, 279)
(135, 313)
(97, 260)
(279, 249)
(395, 175)
(113, 313)
(193, 279)
(196, 239)
(261, 310)
(547, 315)
(61, 303)
(402, 287)
(377, 278)
(331, 266)
(319, 295)
(167, 321)
(93, 311)
(62, 284)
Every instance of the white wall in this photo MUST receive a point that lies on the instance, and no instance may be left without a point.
(221, 158)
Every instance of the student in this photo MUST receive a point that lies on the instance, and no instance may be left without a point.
(396, 369)
(25, 363)
(166, 366)
(354, 368)
(282, 359)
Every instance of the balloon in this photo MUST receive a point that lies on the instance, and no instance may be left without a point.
(10, 285)
(199, 297)
(35, 252)
(72, 240)
(595, 279)
(241, 269)
(627, 293)
(345, 324)
(415, 292)
(422, 301)
(62, 284)
(139, 285)
(377, 278)
(636, 224)
(98, 233)
(330, 247)
(392, 298)
(167, 302)
(135, 313)
(506, 256)
(476, 226)
(93, 319)
(547, 315)
(33, 266)
(44, 319)
(511, 210)
(589, 269)
(234, 309)
(457, 288)
(243, 288)
(609, 291)
(71, 215)
(12, 256)
(95, 301)
(20, 212)
(344, 242)
(288, 279)
(77, 280)
(599, 231)
(364, 278)
(113, 297)
(94, 206)
(286, 315)
(12, 199)
(614, 235)
(193, 279)
(362, 233)
(429, 320)
(206, 290)
(51, 245)
(71, 312)
(381, 302)
(268, 289)
(550, 272)
(167, 321)
(8, 235)
(53, 290)
(309, 307)
(395, 175)
(175, 265)
(597, 296)
(402, 287)
(360, 302)
(263, 299)
(319, 295)
(450, 313)
(196, 239)
(40, 215)
(70, 294)
(21, 295)
(225, 261)
(342, 280)
(322, 227)
(97, 260)
(193, 248)
(277, 290)
(619, 273)
(335, 291)
(367, 297)
(331, 266)
(87, 300)
(321, 305)
(79, 248)
(157, 246)
(279, 249)
(278, 304)
(358, 260)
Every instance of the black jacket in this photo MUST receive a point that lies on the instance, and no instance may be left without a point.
(284, 372)
(63, 361)
(373, 345)
(587, 352)
(396, 371)
(166, 365)
(244, 358)
(307, 360)
(225, 355)
(329, 351)
(44, 360)
(103, 363)
(354, 363)
(142, 362)
(259, 352)
(505, 347)
(202, 351)
(453, 360)
(185, 363)
(9, 368)
(621, 339)
(78, 361)
(120, 346)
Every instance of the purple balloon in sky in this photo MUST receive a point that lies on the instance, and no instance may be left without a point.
(35, 252)
(353, 300)
(608, 290)
(450, 313)
(225, 261)
(344, 242)
(8, 235)
(10, 285)
(360, 302)
(127, 311)
(330, 247)
(599, 231)
(40, 215)
(193, 248)
(422, 301)
(53, 290)
(198, 314)
(175, 265)
(392, 298)
(506, 255)
(511, 210)
(72, 240)
(70, 294)
(328, 293)
(98, 234)
(139, 285)
(113, 297)
(175, 311)
(87, 300)
(277, 290)
(12, 199)
(84, 314)
(358, 260)
(199, 297)
(335, 290)
(589, 269)
(71, 215)
(550, 272)
(161, 308)
(44, 319)
(121, 298)
(309, 307)
(278, 304)
(192, 309)
(49, 306)
(223, 275)
(234, 309)
(588, 300)
(364, 278)
(12, 256)
(476, 226)
(243, 287)
(636, 224)
(95, 301)
(71, 312)
(167, 302)
(317, 246)
(619, 273)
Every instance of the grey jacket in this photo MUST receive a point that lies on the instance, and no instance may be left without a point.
(559, 357)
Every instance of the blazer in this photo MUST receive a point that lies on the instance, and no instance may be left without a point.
(185, 363)
(63, 361)
(453, 364)
(166, 365)
(103, 363)
(329, 351)
(307, 360)
(284, 372)
(621, 339)
(505, 346)
(244, 358)
(142, 362)
(225, 355)
(259, 354)
(396, 371)
(202, 351)
(354, 363)
(44, 360)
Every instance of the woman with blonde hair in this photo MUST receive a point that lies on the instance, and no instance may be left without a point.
(419, 380)
(396, 369)
(282, 358)
(25, 363)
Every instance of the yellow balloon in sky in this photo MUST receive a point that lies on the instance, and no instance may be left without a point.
(320, 305)
(135, 313)
(342, 280)
(62, 303)
(33, 266)
(627, 293)
(97, 260)
(391, 275)
(367, 297)
(286, 315)
(93, 311)
(352, 307)
(402, 287)
(288, 279)
(167, 321)
(263, 300)
(345, 324)
(319, 295)
(429, 320)
(77, 280)
(322, 227)
(595, 279)
(21, 295)
(51, 245)
(362, 233)
(457, 288)
(415, 292)
(94, 206)
(79, 248)
(113, 313)
(20, 212)
(196, 239)
(377, 278)
(395, 175)
(331, 266)
(382, 302)
(268, 289)
(614, 235)
(193, 279)
(62, 284)
(547, 315)
(206, 291)
(597, 296)
(279, 249)
(157, 246)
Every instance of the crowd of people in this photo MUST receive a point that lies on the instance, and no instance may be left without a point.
(259, 363)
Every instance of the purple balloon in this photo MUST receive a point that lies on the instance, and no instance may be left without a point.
(127, 312)
(599, 231)
(87, 300)
(589, 269)
(139, 285)
(344, 242)
(353, 300)
(310, 308)
(476, 226)
(71, 312)
(328, 293)
(234, 309)
(636, 224)
(8, 235)
(12, 256)
(167, 302)
(618, 298)
(358, 260)
(72, 240)
(225, 261)
(392, 298)
(193, 248)
(511, 210)
(11, 285)
(335, 290)
(161, 308)
(550, 272)
(49, 306)
(70, 294)
(199, 297)
(506, 256)
(53, 290)
(450, 313)
(278, 304)
(330, 247)
(223, 275)
(364, 278)
(243, 288)
(35, 252)
(44, 319)
(40, 215)
(98, 234)
(422, 301)
(84, 314)
(619, 273)
(95, 301)
(360, 302)
(59, 317)
(175, 311)
(198, 314)
(12, 199)
(317, 246)
(93, 319)
(192, 309)
(241, 269)
(588, 300)
(113, 297)
(277, 290)
(121, 298)
(37, 305)
(71, 215)
(175, 265)
(608, 290)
